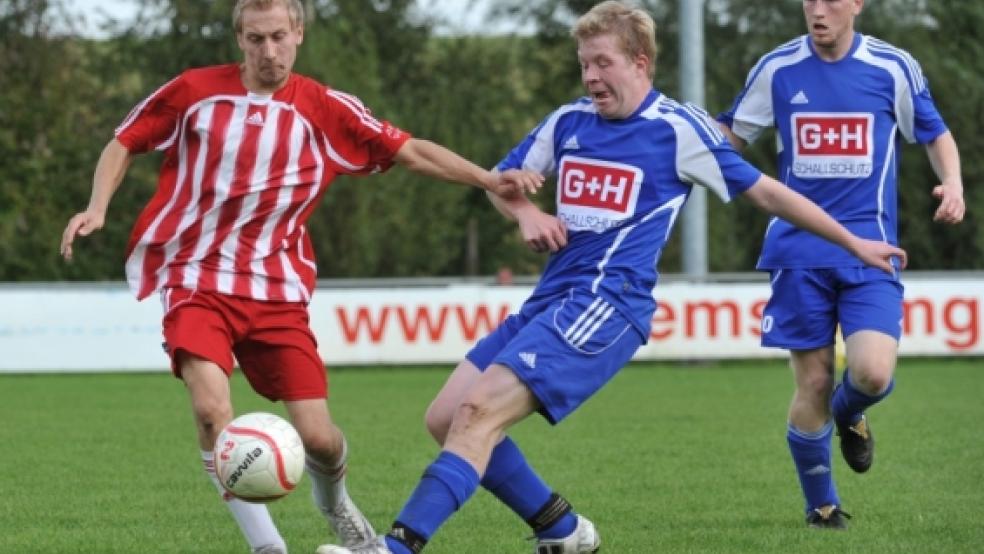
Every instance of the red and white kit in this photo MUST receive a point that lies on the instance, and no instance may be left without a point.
(241, 175)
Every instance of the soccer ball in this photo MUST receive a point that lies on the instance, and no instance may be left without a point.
(259, 457)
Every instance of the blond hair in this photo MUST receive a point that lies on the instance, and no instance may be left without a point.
(295, 11)
(633, 28)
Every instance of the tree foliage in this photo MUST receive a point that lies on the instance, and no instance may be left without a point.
(61, 96)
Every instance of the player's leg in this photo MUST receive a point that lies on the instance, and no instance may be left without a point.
(280, 359)
(565, 356)
(871, 310)
(442, 408)
(801, 317)
(208, 386)
(327, 463)
(497, 400)
(509, 477)
(198, 339)
(809, 435)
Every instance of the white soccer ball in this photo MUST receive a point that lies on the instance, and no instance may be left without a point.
(259, 457)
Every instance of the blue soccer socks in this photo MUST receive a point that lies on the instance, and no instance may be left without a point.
(848, 403)
(511, 479)
(445, 486)
(811, 455)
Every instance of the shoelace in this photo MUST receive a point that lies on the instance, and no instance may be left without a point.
(832, 513)
(347, 525)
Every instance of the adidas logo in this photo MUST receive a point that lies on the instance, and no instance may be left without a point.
(529, 358)
(800, 98)
(818, 469)
(255, 119)
(571, 144)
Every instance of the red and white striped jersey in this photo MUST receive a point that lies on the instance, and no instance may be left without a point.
(242, 173)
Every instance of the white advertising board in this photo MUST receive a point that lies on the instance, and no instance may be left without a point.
(96, 328)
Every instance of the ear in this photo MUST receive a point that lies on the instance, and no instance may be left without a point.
(300, 34)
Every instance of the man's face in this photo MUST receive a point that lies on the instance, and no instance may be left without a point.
(269, 45)
(831, 22)
(616, 83)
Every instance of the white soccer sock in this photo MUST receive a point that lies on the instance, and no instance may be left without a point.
(254, 519)
(328, 483)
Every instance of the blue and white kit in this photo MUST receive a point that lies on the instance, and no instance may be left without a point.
(839, 131)
(839, 127)
(620, 185)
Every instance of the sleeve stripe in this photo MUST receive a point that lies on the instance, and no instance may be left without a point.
(914, 72)
(882, 46)
(781, 51)
(704, 121)
(338, 158)
(357, 108)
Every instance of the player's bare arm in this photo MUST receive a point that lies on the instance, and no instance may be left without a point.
(736, 142)
(431, 159)
(541, 231)
(945, 158)
(112, 166)
(774, 197)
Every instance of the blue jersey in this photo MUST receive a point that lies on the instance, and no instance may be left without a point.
(839, 128)
(620, 185)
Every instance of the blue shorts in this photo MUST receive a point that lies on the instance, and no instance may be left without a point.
(807, 304)
(564, 348)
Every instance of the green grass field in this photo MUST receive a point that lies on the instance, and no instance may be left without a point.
(665, 459)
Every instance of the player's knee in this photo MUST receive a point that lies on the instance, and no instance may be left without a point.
(471, 416)
(872, 382)
(323, 441)
(320, 446)
(212, 414)
(817, 386)
(438, 421)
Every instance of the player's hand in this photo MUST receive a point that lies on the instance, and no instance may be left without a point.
(82, 224)
(876, 253)
(513, 182)
(541, 232)
(952, 208)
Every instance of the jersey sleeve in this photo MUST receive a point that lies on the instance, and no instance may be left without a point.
(537, 151)
(919, 120)
(153, 123)
(357, 142)
(752, 111)
(704, 156)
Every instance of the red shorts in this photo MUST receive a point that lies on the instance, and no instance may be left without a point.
(272, 341)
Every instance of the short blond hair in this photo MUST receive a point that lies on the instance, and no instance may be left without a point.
(634, 29)
(295, 11)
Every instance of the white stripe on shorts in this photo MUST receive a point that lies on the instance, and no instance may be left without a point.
(585, 323)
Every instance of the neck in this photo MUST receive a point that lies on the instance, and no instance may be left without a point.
(638, 98)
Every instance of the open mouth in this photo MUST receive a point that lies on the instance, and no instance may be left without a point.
(600, 95)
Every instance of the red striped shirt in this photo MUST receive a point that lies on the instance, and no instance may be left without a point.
(241, 174)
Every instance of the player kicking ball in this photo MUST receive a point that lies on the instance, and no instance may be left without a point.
(625, 158)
